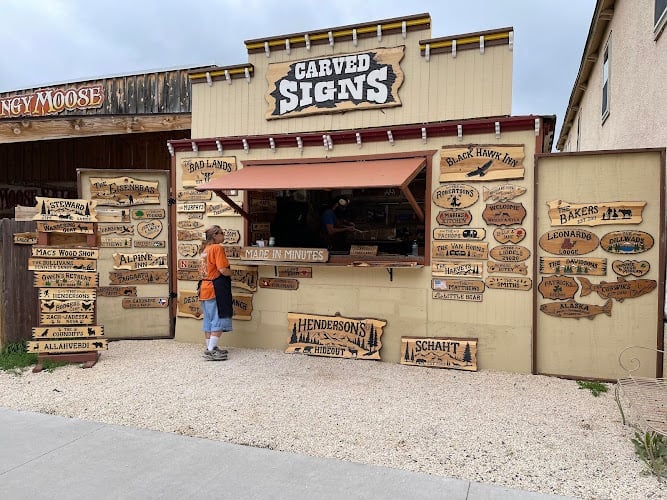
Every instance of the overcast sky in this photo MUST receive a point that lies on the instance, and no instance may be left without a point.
(63, 41)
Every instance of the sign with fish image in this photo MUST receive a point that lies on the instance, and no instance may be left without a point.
(620, 290)
(575, 310)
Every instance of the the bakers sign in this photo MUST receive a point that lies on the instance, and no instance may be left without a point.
(52, 101)
(353, 81)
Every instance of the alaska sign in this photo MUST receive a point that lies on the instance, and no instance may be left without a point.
(564, 213)
(438, 352)
(123, 191)
(481, 163)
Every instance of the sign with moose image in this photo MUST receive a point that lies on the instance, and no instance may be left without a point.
(438, 352)
(564, 213)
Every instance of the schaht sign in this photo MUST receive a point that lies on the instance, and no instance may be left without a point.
(338, 83)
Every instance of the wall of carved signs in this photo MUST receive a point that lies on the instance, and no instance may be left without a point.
(600, 281)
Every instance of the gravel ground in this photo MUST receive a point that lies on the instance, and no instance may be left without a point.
(520, 431)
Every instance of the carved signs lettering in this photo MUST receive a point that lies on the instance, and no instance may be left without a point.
(509, 234)
(148, 213)
(188, 249)
(481, 163)
(123, 191)
(25, 238)
(472, 269)
(192, 264)
(115, 242)
(454, 217)
(504, 213)
(620, 290)
(455, 196)
(460, 250)
(569, 241)
(564, 213)
(576, 310)
(439, 352)
(142, 277)
(190, 224)
(63, 253)
(188, 274)
(505, 192)
(194, 195)
(507, 283)
(140, 260)
(458, 285)
(35, 264)
(221, 209)
(52, 332)
(363, 250)
(285, 254)
(233, 251)
(73, 306)
(513, 253)
(446, 233)
(591, 266)
(245, 277)
(189, 305)
(65, 279)
(145, 302)
(149, 244)
(230, 236)
(507, 267)
(65, 227)
(631, 267)
(122, 229)
(188, 235)
(279, 283)
(106, 214)
(201, 170)
(242, 306)
(626, 242)
(69, 345)
(462, 296)
(117, 291)
(61, 209)
(149, 229)
(192, 206)
(66, 294)
(84, 318)
(558, 287)
(294, 272)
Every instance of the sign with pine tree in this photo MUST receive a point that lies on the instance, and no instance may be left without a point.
(440, 352)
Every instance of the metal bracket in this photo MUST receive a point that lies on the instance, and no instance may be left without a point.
(390, 270)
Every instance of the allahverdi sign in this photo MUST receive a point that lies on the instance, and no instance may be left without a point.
(361, 80)
(52, 101)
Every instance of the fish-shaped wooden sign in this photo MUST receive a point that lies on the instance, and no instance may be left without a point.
(620, 290)
(576, 310)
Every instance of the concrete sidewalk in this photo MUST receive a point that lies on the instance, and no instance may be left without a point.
(45, 456)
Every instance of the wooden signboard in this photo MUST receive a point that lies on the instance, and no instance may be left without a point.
(467, 250)
(145, 302)
(465, 297)
(569, 241)
(66, 294)
(150, 244)
(140, 260)
(481, 163)
(285, 254)
(440, 352)
(148, 213)
(242, 305)
(576, 310)
(509, 234)
(453, 217)
(194, 195)
(200, 170)
(335, 336)
(36, 264)
(620, 290)
(142, 277)
(564, 213)
(122, 229)
(591, 266)
(233, 251)
(149, 229)
(191, 264)
(54, 332)
(455, 196)
(458, 285)
(191, 206)
(190, 224)
(363, 250)
(470, 269)
(279, 283)
(558, 287)
(245, 277)
(188, 274)
(448, 233)
(504, 192)
(507, 267)
(189, 305)
(294, 272)
(626, 242)
(188, 249)
(66, 227)
(230, 236)
(106, 214)
(59, 306)
(84, 318)
(631, 267)
(504, 213)
(61, 209)
(221, 209)
(188, 235)
(25, 238)
(193, 215)
(117, 291)
(511, 253)
(70, 345)
(123, 191)
(507, 283)
(115, 242)
(65, 279)
(65, 253)
(263, 205)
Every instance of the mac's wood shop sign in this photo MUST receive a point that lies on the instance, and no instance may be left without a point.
(335, 336)
(435, 352)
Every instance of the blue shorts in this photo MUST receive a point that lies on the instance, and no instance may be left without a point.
(212, 323)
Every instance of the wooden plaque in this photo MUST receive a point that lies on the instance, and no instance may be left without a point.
(569, 241)
(439, 352)
(194, 195)
(53, 332)
(244, 277)
(233, 251)
(505, 192)
(558, 287)
(458, 285)
(150, 244)
(454, 217)
(510, 253)
(36, 264)
(285, 254)
(122, 229)
(631, 267)
(471, 269)
(145, 302)
(142, 277)
(188, 235)
(66, 294)
(231, 236)
(117, 291)
(576, 310)
(363, 250)
(191, 206)
(123, 191)
(149, 229)
(65, 279)
(335, 336)
(242, 305)
(507, 267)
(25, 238)
(620, 290)
(115, 242)
(148, 213)
(467, 250)
(221, 209)
(83, 318)
(190, 264)
(194, 215)
(455, 196)
(564, 213)
(65, 253)
(62, 209)
(66, 227)
(140, 260)
(481, 162)
(188, 249)
(279, 283)
(190, 224)
(294, 272)
(188, 274)
(465, 297)
(106, 214)
(189, 305)
(70, 345)
(509, 234)
(200, 170)
(263, 205)
(447, 233)
(591, 266)
(504, 213)
(626, 242)
(507, 283)
(60, 306)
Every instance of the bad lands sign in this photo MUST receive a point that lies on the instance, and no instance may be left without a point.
(52, 101)
(340, 83)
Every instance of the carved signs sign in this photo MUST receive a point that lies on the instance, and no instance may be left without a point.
(481, 163)
(569, 241)
(473, 233)
(512, 253)
(52, 101)
(279, 283)
(626, 242)
(69, 345)
(573, 309)
(558, 287)
(84, 318)
(439, 352)
(509, 234)
(505, 192)
(201, 170)
(470, 269)
(141, 260)
(285, 254)
(148, 213)
(455, 196)
(25, 238)
(59, 306)
(149, 229)
(51, 332)
(61, 209)
(507, 283)
(66, 294)
(142, 277)
(294, 272)
(188, 249)
(117, 291)
(144, 302)
(123, 191)
(194, 195)
(245, 277)
(65, 253)
(620, 290)
(504, 213)
(65, 279)
(454, 217)
(591, 266)
(189, 305)
(631, 267)
(221, 209)
(507, 267)
(125, 229)
(458, 285)
(564, 213)
(65, 227)
(242, 306)
(335, 336)
(460, 250)
(463, 296)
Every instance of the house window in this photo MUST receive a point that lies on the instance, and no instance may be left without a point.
(660, 17)
(605, 80)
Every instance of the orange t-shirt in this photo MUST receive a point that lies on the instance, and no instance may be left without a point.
(213, 258)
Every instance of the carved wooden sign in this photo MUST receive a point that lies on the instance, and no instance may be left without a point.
(66, 227)
(335, 336)
(65, 253)
(508, 283)
(462, 296)
(191, 206)
(363, 250)
(245, 277)
(230, 236)
(509, 234)
(150, 244)
(140, 260)
(455, 196)
(84, 318)
(191, 264)
(59, 306)
(569, 241)
(188, 274)
(454, 217)
(458, 285)
(66, 294)
(188, 249)
(65, 279)
(631, 267)
(576, 310)
(279, 283)
(61, 209)
(591, 266)
(115, 242)
(221, 209)
(242, 306)
(117, 291)
(200, 170)
(190, 224)
(564, 213)
(36, 264)
(148, 213)
(149, 229)
(145, 302)
(69, 345)
(52, 332)
(194, 215)
(626, 242)
(294, 272)
(142, 277)
(233, 251)
(481, 163)
(512, 253)
(189, 305)
(447, 233)
(507, 267)
(107, 214)
(122, 229)
(471, 269)
(25, 238)
(505, 192)
(263, 205)
(558, 287)
(188, 235)
(620, 290)
(504, 213)
(439, 352)
(285, 254)
(194, 195)
(123, 191)
(460, 250)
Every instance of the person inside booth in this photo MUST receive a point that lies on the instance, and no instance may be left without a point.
(334, 228)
